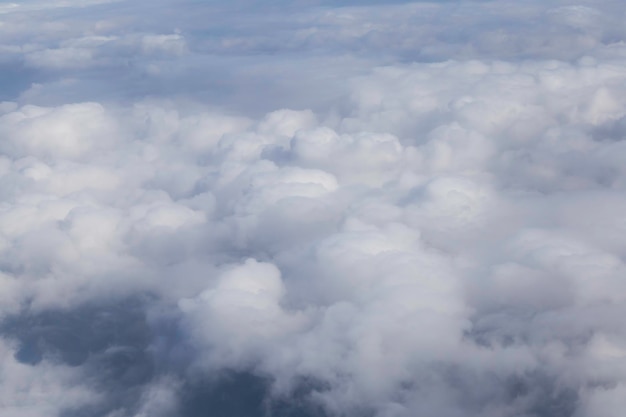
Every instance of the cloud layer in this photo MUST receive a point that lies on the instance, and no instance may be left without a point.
(312, 209)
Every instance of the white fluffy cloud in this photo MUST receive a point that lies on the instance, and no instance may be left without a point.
(378, 209)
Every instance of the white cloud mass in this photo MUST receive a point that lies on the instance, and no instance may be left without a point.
(312, 209)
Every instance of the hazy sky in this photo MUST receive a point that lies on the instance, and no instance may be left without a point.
(312, 208)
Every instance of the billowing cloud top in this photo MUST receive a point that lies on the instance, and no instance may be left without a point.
(306, 208)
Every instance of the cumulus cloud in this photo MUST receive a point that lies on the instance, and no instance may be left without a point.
(383, 209)
(46, 389)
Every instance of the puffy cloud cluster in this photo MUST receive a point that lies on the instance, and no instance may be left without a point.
(41, 390)
(436, 232)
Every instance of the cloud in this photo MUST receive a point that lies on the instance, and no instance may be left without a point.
(46, 389)
(312, 209)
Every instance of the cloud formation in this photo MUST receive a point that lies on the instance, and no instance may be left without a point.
(312, 209)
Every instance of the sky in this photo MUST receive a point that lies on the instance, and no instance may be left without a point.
(312, 208)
